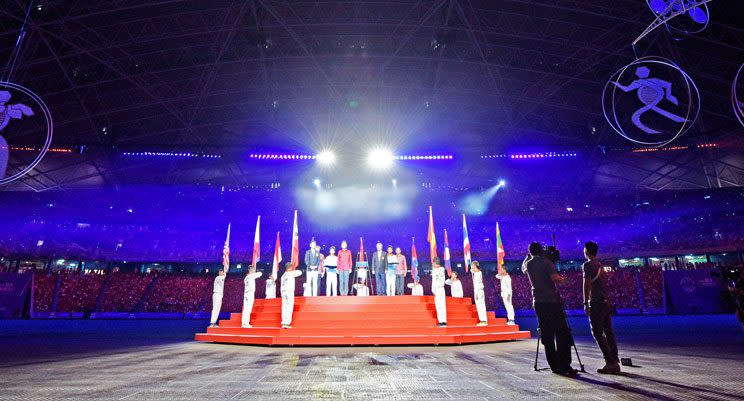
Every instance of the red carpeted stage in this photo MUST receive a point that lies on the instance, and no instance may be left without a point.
(375, 320)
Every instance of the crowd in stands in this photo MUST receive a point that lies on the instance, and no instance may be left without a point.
(182, 293)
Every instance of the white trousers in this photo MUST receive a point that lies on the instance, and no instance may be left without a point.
(313, 281)
(507, 298)
(331, 284)
(271, 291)
(245, 319)
(216, 306)
(440, 302)
(390, 284)
(480, 305)
(287, 309)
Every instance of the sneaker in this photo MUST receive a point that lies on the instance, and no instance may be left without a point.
(246, 326)
(213, 325)
(482, 324)
(610, 369)
(285, 326)
(570, 372)
(510, 323)
(442, 324)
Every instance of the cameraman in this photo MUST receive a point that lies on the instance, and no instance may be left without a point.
(554, 332)
(599, 308)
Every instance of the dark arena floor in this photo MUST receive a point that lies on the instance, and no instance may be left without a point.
(674, 357)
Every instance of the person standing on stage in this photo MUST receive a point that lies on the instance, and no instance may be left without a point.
(217, 291)
(344, 269)
(479, 293)
(437, 288)
(379, 268)
(506, 294)
(331, 264)
(400, 272)
(455, 285)
(312, 263)
(249, 294)
(288, 294)
(271, 287)
(554, 332)
(599, 308)
(392, 266)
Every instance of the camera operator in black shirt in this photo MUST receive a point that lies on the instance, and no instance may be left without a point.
(554, 332)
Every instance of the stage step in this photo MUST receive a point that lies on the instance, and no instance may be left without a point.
(375, 320)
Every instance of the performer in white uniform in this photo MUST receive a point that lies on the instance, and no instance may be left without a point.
(331, 263)
(480, 293)
(456, 285)
(288, 292)
(217, 291)
(437, 288)
(271, 287)
(392, 266)
(416, 288)
(249, 294)
(506, 294)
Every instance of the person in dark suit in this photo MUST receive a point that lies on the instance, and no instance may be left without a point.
(379, 268)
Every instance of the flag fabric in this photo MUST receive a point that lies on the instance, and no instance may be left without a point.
(361, 249)
(226, 250)
(431, 237)
(447, 262)
(466, 244)
(414, 260)
(277, 257)
(295, 260)
(256, 246)
(500, 253)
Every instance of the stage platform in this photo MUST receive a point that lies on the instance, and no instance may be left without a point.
(375, 320)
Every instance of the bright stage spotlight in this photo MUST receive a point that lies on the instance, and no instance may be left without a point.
(380, 159)
(395, 183)
(326, 158)
(316, 182)
(502, 183)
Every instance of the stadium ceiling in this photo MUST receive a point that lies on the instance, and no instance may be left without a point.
(469, 76)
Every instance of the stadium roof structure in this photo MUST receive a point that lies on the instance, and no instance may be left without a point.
(470, 77)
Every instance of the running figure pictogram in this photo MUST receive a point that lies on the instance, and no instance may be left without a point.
(7, 113)
(651, 91)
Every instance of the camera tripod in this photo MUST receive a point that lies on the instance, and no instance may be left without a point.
(573, 343)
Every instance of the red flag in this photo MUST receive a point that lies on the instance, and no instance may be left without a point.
(500, 252)
(277, 257)
(361, 249)
(431, 238)
(295, 244)
(226, 250)
(256, 247)
(466, 244)
(447, 262)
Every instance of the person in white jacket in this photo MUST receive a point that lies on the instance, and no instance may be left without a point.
(480, 293)
(271, 287)
(506, 294)
(331, 264)
(455, 285)
(217, 292)
(437, 288)
(249, 295)
(416, 288)
(288, 292)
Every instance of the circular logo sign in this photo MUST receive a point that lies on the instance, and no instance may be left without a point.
(651, 101)
(737, 91)
(25, 131)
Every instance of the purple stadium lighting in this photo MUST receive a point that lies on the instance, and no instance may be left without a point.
(281, 156)
(425, 157)
(541, 155)
(174, 154)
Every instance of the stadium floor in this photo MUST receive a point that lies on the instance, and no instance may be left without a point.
(677, 358)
